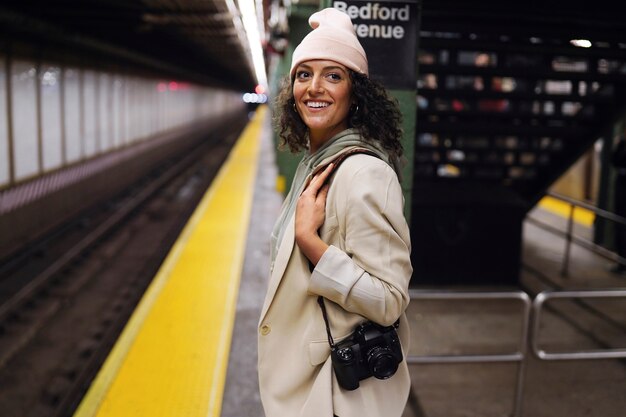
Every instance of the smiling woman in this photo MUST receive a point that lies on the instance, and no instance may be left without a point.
(322, 92)
(341, 239)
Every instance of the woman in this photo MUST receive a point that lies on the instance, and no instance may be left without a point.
(345, 240)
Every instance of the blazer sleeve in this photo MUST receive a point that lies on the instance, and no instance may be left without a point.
(371, 276)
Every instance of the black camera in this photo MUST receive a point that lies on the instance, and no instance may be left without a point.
(372, 350)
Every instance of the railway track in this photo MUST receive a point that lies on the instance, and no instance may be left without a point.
(65, 301)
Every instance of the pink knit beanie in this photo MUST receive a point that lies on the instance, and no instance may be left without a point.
(332, 38)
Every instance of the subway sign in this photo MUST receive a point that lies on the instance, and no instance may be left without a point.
(388, 32)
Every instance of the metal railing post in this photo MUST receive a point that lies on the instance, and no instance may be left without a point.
(568, 241)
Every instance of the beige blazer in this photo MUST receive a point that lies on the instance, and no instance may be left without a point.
(363, 275)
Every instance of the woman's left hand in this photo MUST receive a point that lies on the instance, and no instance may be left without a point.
(310, 215)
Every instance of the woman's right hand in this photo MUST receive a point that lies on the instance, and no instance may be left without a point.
(310, 215)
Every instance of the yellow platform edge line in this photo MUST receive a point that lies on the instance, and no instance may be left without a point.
(101, 385)
(582, 216)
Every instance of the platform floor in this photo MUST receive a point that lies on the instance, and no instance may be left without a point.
(241, 393)
(552, 389)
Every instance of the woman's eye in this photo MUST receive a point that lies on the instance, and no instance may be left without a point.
(302, 74)
(334, 76)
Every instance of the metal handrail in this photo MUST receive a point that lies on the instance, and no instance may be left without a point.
(569, 237)
(537, 307)
(529, 335)
(518, 356)
(590, 207)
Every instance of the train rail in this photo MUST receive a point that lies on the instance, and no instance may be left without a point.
(63, 304)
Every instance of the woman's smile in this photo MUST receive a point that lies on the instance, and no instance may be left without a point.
(317, 104)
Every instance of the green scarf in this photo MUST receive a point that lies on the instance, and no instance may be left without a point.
(346, 140)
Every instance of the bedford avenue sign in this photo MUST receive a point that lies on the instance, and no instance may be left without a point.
(388, 32)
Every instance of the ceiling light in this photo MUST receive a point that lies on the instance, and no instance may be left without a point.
(252, 34)
(581, 43)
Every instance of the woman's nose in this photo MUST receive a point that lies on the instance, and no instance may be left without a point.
(316, 85)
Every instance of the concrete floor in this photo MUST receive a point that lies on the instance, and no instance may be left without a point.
(590, 388)
(241, 393)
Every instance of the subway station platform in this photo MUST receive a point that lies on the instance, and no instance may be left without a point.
(506, 94)
(190, 349)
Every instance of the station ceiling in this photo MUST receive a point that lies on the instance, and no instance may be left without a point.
(601, 20)
(192, 39)
(197, 39)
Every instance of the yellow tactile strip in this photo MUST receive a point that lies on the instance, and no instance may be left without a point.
(561, 208)
(171, 358)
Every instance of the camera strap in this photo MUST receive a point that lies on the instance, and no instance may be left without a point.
(342, 157)
(331, 342)
(336, 162)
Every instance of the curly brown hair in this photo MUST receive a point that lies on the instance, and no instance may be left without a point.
(376, 115)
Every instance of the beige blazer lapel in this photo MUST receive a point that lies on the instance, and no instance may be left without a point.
(280, 264)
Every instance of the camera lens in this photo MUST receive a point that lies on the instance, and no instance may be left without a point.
(382, 363)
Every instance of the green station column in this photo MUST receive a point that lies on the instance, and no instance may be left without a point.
(604, 230)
